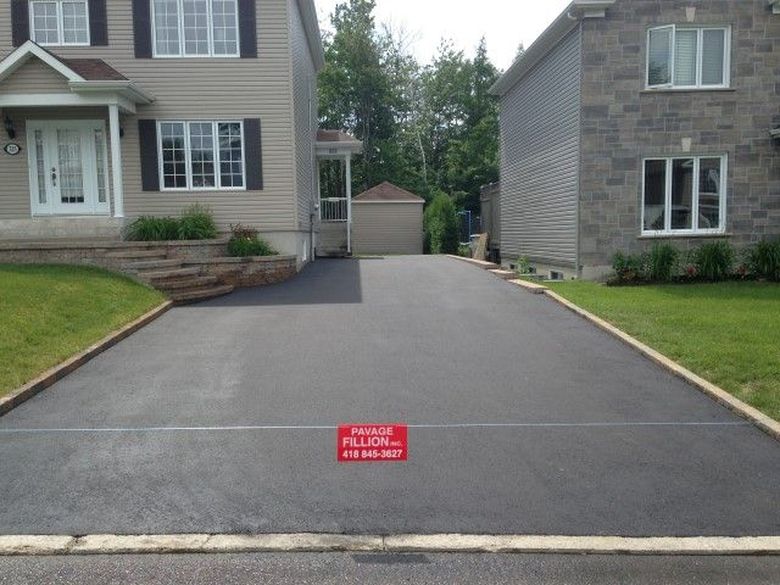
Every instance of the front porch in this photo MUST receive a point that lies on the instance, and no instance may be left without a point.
(335, 150)
(62, 162)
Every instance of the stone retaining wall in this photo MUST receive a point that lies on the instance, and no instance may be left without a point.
(248, 272)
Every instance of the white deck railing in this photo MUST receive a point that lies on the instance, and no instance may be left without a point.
(334, 209)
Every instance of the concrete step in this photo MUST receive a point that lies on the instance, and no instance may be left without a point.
(199, 294)
(159, 276)
(151, 254)
(505, 274)
(180, 284)
(152, 265)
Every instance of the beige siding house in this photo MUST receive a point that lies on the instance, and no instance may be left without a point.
(388, 220)
(113, 109)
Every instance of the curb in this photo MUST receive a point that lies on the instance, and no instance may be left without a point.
(109, 544)
(742, 409)
(738, 407)
(49, 377)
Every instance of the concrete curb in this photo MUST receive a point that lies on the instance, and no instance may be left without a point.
(108, 544)
(49, 377)
(742, 409)
(758, 418)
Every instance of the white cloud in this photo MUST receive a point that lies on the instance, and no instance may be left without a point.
(504, 23)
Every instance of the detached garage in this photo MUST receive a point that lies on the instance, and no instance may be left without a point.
(387, 220)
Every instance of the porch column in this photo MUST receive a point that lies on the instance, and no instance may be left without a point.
(116, 161)
(348, 160)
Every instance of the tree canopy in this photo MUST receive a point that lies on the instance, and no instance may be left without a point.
(430, 129)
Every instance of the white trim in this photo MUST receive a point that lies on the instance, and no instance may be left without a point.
(775, 4)
(188, 157)
(116, 161)
(700, 29)
(60, 24)
(181, 53)
(30, 49)
(42, 100)
(694, 230)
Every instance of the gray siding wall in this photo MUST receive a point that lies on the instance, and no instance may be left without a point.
(304, 77)
(34, 77)
(622, 123)
(388, 228)
(190, 89)
(540, 159)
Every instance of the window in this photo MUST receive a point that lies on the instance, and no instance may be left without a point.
(688, 58)
(195, 28)
(199, 156)
(59, 22)
(684, 195)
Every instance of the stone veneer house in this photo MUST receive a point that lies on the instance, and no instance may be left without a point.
(113, 109)
(630, 122)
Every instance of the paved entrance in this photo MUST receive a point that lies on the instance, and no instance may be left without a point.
(220, 417)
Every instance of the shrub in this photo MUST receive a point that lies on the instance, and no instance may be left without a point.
(464, 250)
(441, 226)
(662, 263)
(245, 242)
(523, 265)
(763, 260)
(197, 223)
(629, 268)
(714, 261)
(153, 229)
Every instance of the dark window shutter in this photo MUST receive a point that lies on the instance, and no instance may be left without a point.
(247, 28)
(253, 154)
(98, 23)
(142, 28)
(20, 21)
(150, 170)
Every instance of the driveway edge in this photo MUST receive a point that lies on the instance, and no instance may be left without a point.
(744, 410)
(49, 377)
(109, 544)
(740, 408)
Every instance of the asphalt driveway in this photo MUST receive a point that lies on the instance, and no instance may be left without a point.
(219, 417)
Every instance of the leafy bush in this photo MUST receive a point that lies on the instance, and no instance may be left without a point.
(764, 260)
(662, 263)
(629, 268)
(441, 226)
(245, 242)
(153, 229)
(714, 261)
(464, 250)
(197, 223)
(523, 265)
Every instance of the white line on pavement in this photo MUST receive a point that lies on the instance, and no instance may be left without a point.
(214, 429)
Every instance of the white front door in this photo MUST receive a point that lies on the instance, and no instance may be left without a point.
(68, 167)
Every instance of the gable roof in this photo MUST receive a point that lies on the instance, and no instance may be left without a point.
(568, 20)
(82, 75)
(313, 36)
(388, 192)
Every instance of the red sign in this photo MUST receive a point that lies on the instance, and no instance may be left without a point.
(367, 443)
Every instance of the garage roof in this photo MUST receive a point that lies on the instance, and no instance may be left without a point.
(388, 192)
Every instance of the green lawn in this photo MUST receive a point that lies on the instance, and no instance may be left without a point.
(728, 333)
(49, 313)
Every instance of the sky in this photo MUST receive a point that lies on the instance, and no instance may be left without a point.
(504, 23)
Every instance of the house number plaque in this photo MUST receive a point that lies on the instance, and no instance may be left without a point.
(12, 148)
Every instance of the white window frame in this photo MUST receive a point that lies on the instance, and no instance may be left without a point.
(699, 57)
(60, 24)
(695, 230)
(181, 53)
(188, 156)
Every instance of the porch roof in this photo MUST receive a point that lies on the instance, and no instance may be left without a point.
(91, 82)
(335, 143)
